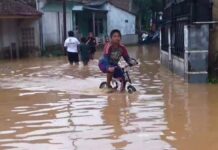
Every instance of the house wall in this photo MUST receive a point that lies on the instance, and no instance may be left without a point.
(52, 24)
(31, 23)
(116, 19)
(9, 33)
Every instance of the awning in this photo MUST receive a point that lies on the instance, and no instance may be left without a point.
(70, 6)
(88, 8)
(98, 3)
(94, 9)
(78, 8)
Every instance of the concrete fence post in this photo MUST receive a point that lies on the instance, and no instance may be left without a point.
(196, 42)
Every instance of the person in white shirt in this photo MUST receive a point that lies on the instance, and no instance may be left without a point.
(71, 44)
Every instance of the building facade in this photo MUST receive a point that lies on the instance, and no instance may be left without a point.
(19, 29)
(99, 17)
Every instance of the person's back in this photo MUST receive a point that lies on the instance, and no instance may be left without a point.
(71, 44)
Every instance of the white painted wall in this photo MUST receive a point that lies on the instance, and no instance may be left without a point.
(33, 24)
(9, 32)
(116, 20)
(50, 28)
(52, 24)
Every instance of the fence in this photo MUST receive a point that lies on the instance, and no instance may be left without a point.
(177, 14)
(164, 39)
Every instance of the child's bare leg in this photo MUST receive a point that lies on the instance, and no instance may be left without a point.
(109, 79)
(123, 85)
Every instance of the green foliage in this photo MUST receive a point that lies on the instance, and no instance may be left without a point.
(147, 5)
(213, 80)
(213, 77)
(53, 51)
(146, 8)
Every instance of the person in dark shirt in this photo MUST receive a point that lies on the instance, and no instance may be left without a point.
(84, 51)
(91, 42)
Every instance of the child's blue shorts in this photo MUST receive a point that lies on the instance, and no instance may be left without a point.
(118, 72)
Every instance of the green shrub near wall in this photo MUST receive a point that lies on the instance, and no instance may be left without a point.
(53, 51)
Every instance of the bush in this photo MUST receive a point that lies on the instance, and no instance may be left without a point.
(53, 51)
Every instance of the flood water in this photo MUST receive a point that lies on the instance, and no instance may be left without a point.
(46, 104)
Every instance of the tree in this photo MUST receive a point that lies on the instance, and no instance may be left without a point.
(146, 10)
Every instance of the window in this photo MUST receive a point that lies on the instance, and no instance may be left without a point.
(28, 38)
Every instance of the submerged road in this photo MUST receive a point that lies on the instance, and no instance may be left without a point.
(46, 104)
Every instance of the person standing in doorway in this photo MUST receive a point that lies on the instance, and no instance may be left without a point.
(91, 42)
(71, 44)
(107, 40)
(78, 34)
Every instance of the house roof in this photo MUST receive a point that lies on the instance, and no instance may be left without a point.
(56, 6)
(88, 8)
(17, 9)
(97, 3)
(121, 4)
(94, 9)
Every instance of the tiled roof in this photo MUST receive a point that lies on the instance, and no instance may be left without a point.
(122, 4)
(97, 3)
(17, 8)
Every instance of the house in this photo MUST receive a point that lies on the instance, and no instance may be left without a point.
(19, 29)
(107, 15)
(97, 16)
(185, 38)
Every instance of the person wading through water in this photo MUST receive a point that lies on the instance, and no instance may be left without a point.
(91, 42)
(71, 44)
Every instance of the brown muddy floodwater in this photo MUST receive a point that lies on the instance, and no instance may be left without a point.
(46, 104)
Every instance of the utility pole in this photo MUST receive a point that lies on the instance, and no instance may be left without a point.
(93, 22)
(40, 27)
(64, 21)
